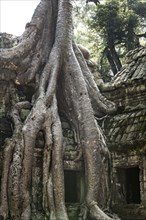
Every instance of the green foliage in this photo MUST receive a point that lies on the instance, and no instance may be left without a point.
(139, 7)
(115, 22)
(112, 21)
(84, 35)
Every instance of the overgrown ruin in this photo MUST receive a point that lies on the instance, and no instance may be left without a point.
(125, 133)
(126, 136)
(47, 81)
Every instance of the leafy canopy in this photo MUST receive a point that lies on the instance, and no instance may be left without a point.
(115, 22)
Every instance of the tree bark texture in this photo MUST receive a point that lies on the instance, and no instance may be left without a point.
(112, 55)
(48, 61)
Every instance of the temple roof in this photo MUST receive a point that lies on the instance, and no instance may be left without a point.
(135, 67)
(127, 128)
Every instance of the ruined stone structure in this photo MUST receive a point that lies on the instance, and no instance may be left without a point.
(126, 139)
(126, 136)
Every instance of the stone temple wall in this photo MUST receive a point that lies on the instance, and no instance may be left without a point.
(126, 137)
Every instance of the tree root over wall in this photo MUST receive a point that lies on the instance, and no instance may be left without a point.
(48, 60)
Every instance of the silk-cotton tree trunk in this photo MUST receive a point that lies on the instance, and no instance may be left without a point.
(48, 61)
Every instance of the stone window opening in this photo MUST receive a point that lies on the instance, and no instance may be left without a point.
(74, 186)
(130, 184)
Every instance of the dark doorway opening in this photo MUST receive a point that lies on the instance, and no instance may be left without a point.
(74, 186)
(128, 179)
(132, 185)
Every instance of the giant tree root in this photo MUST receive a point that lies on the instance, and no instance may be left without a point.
(47, 60)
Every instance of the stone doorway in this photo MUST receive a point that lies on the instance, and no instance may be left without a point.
(132, 185)
(74, 186)
(128, 179)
